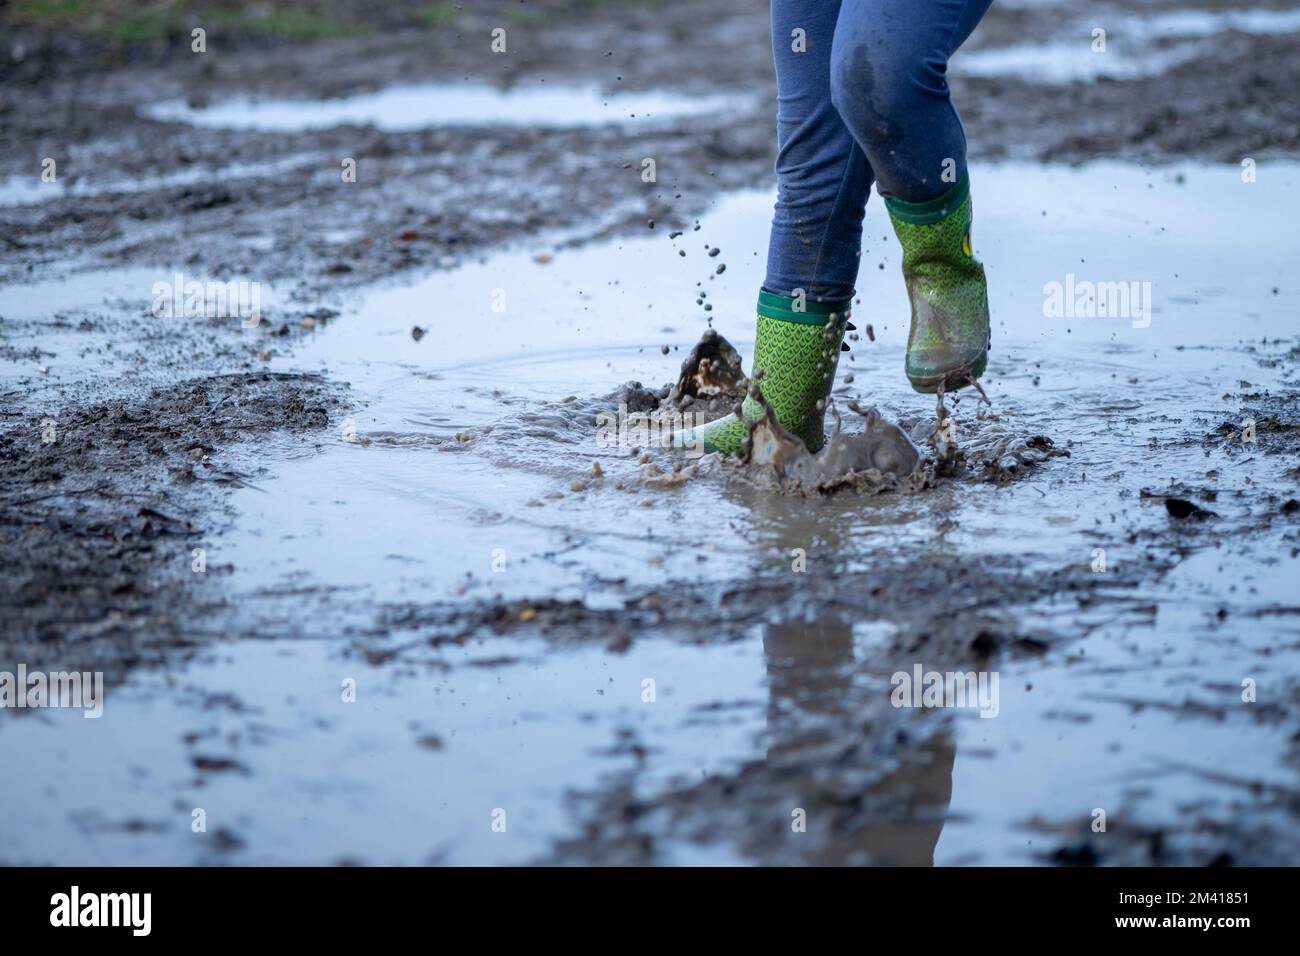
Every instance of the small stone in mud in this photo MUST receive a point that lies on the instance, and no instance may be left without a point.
(682, 253)
(664, 349)
(527, 614)
(417, 333)
(722, 267)
(1181, 509)
(714, 251)
(1082, 854)
(226, 840)
(577, 484)
(217, 764)
(985, 643)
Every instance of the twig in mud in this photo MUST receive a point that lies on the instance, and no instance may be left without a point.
(1218, 776)
(52, 494)
(81, 491)
(1188, 706)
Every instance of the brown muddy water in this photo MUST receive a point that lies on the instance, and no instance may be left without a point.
(633, 663)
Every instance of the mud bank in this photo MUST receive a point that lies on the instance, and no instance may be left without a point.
(106, 511)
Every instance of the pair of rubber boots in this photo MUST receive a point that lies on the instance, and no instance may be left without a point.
(798, 344)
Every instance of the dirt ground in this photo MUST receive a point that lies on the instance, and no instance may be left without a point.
(158, 425)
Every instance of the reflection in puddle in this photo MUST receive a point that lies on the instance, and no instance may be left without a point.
(433, 105)
(31, 190)
(1134, 46)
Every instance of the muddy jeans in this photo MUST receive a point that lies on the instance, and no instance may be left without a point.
(862, 97)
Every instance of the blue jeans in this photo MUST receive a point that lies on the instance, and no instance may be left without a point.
(867, 100)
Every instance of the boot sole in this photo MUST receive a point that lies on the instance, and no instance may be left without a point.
(951, 380)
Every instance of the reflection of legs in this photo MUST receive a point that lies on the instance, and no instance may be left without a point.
(916, 796)
(812, 258)
(889, 84)
(811, 669)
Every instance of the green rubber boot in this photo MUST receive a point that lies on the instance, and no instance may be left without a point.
(797, 352)
(948, 344)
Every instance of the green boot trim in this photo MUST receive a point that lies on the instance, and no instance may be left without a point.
(797, 349)
(948, 343)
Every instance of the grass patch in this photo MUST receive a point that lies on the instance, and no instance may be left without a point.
(526, 19)
(435, 15)
(113, 20)
(300, 26)
(133, 22)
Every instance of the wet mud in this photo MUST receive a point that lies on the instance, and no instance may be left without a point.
(104, 506)
(350, 483)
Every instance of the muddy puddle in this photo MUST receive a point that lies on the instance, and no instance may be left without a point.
(418, 106)
(28, 191)
(1132, 45)
(633, 670)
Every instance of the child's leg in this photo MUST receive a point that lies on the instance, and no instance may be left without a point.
(823, 177)
(889, 83)
(812, 263)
